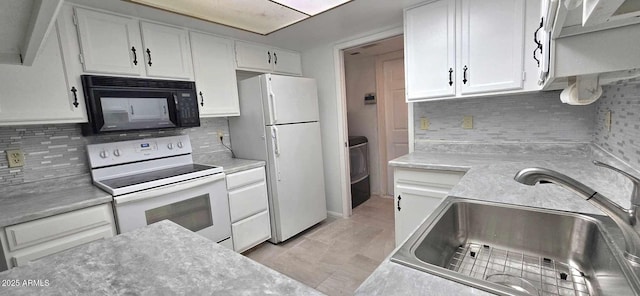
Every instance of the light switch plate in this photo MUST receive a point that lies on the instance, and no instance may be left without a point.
(424, 123)
(15, 158)
(467, 122)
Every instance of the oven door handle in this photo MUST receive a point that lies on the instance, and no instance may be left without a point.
(167, 189)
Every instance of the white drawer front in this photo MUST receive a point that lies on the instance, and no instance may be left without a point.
(46, 229)
(429, 178)
(245, 177)
(60, 245)
(247, 201)
(251, 231)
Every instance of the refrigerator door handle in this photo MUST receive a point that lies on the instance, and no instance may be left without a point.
(276, 150)
(272, 107)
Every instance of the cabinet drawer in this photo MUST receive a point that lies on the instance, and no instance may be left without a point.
(46, 229)
(428, 178)
(245, 177)
(247, 201)
(61, 244)
(251, 231)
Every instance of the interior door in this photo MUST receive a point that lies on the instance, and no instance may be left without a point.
(491, 31)
(395, 112)
(108, 42)
(296, 178)
(430, 49)
(166, 51)
(290, 99)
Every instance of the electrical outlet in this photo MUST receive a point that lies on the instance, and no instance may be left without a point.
(424, 123)
(607, 120)
(220, 134)
(467, 122)
(15, 158)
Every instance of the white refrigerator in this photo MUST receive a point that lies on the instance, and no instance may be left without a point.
(278, 123)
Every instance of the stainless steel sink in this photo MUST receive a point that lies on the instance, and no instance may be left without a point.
(515, 250)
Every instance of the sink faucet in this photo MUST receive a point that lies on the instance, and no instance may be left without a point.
(626, 219)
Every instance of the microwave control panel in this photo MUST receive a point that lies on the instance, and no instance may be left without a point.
(187, 105)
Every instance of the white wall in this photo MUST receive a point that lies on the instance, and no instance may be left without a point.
(318, 64)
(360, 79)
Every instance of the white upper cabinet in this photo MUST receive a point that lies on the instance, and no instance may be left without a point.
(166, 51)
(492, 45)
(110, 44)
(430, 29)
(40, 93)
(215, 75)
(120, 45)
(261, 58)
(287, 62)
(459, 48)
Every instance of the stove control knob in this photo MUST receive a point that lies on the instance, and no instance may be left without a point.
(170, 146)
(180, 145)
(116, 152)
(104, 154)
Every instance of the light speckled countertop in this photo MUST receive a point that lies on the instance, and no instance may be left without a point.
(37, 200)
(234, 165)
(42, 199)
(489, 176)
(160, 259)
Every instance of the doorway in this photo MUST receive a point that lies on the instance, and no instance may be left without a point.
(376, 109)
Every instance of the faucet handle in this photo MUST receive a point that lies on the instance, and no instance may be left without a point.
(635, 195)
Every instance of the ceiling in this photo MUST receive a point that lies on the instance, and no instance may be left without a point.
(257, 16)
(377, 48)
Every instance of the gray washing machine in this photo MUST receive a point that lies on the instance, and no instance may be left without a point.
(359, 163)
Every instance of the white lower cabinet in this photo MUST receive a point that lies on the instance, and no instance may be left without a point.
(35, 239)
(416, 194)
(249, 208)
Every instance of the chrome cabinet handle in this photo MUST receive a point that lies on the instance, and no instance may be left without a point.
(399, 198)
(450, 76)
(538, 43)
(464, 74)
(74, 90)
(149, 54)
(135, 56)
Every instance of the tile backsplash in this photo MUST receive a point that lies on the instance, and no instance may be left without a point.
(530, 118)
(623, 139)
(59, 150)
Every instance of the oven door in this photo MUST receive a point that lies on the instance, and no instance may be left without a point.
(120, 110)
(200, 205)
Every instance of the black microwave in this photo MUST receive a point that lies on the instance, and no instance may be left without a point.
(116, 104)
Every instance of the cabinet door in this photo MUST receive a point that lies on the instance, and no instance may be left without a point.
(110, 44)
(253, 57)
(166, 51)
(412, 206)
(215, 75)
(492, 45)
(287, 62)
(40, 93)
(430, 50)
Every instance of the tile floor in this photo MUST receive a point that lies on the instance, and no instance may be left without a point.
(337, 255)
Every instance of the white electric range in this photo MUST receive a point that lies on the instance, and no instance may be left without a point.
(155, 179)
